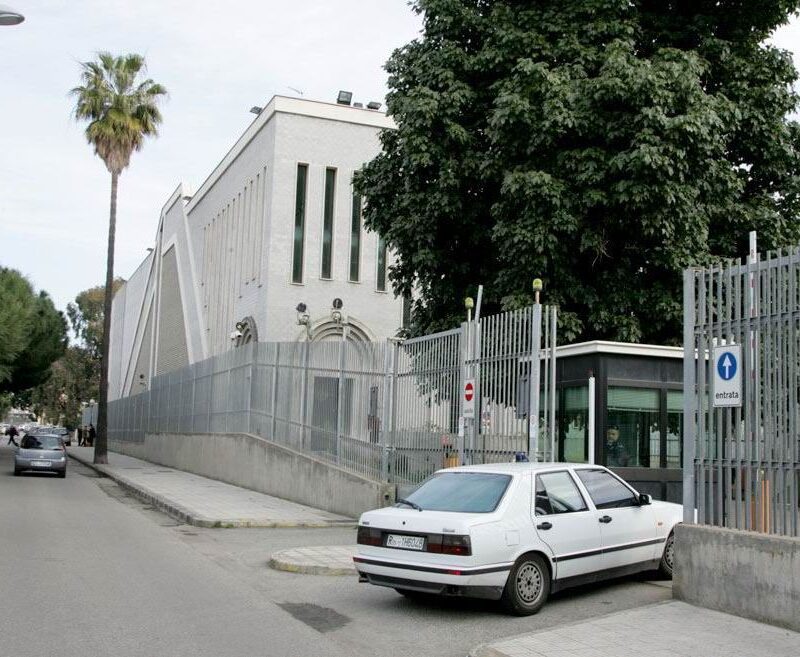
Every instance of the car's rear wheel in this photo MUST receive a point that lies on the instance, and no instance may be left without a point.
(528, 586)
(16, 472)
(668, 558)
(62, 474)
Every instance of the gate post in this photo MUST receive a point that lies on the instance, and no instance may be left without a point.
(533, 405)
(690, 362)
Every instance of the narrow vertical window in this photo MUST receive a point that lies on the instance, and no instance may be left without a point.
(355, 239)
(327, 224)
(299, 224)
(381, 264)
(406, 311)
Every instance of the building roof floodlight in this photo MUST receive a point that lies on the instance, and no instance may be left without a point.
(9, 16)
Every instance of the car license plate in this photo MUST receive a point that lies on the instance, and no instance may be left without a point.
(405, 542)
(40, 464)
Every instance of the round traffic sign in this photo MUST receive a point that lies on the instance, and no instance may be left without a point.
(727, 366)
(469, 391)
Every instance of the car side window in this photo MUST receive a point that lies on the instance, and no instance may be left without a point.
(607, 491)
(557, 493)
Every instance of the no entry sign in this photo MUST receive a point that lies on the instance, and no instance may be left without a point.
(469, 398)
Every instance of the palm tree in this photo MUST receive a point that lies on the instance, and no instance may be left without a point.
(122, 109)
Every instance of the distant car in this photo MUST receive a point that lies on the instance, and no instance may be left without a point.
(66, 435)
(41, 453)
(515, 532)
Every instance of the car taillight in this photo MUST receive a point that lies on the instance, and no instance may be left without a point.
(369, 536)
(449, 544)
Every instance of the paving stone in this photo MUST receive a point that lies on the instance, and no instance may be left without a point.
(671, 629)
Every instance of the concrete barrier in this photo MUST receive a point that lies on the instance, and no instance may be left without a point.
(251, 462)
(743, 573)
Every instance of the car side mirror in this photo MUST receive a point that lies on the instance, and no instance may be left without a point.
(645, 499)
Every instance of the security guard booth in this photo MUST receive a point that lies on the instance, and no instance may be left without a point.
(637, 407)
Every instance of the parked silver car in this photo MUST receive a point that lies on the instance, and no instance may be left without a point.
(41, 453)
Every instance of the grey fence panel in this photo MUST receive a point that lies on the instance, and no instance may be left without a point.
(389, 410)
(744, 459)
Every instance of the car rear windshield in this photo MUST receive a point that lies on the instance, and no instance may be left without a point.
(461, 492)
(40, 442)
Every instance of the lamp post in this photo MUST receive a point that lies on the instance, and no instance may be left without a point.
(9, 16)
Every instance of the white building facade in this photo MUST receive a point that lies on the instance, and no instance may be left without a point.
(276, 224)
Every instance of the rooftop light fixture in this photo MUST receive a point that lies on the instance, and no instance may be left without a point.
(255, 109)
(344, 97)
(373, 105)
(9, 16)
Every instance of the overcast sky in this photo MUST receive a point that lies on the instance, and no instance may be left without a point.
(216, 59)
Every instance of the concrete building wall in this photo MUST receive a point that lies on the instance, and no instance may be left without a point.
(230, 246)
(117, 356)
(321, 143)
(743, 573)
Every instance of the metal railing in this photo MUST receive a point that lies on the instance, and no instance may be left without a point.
(742, 461)
(392, 410)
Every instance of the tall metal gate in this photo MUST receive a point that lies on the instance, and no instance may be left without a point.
(507, 358)
(742, 462)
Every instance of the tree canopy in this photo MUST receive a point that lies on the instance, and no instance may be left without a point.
(32, 333)
(602, 145)
(121, 106)
(86, 317)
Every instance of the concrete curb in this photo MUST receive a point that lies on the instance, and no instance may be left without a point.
(186, 516)
(315, 560)
(277, 563)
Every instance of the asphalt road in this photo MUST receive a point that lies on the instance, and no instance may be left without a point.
(88, 571)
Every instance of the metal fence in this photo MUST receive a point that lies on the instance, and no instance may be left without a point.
(742, 462)
(392, 410)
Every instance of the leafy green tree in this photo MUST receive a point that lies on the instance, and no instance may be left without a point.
(74, 380)
(121, 108)
(602, 145)
(86, 317)
(32, 333)
(16, 303)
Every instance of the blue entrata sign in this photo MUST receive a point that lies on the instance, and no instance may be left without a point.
(727, 366)
(727, 375)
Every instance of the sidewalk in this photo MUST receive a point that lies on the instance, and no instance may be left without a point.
(667, 629)
(204, 502)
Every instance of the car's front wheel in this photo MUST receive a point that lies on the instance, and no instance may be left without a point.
(668, 558)
(16, 472)
(528, 585)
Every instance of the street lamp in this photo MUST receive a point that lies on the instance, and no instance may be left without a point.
(9, 16)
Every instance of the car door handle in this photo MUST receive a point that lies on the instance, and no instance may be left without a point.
(544, 525)
(606, 519)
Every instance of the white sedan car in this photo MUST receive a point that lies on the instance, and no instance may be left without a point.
(515, 532)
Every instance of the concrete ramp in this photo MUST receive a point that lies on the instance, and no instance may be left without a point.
(252, 462)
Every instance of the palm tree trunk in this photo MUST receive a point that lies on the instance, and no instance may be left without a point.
(101, 441)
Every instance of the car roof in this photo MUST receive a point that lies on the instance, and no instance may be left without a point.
(519, 468)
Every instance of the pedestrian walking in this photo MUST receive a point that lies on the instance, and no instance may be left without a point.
(12, 433)
(92, 434)
(81, 436)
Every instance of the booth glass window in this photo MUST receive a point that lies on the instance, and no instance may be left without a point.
(633, 436)
(573, 424)
(674, 428)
